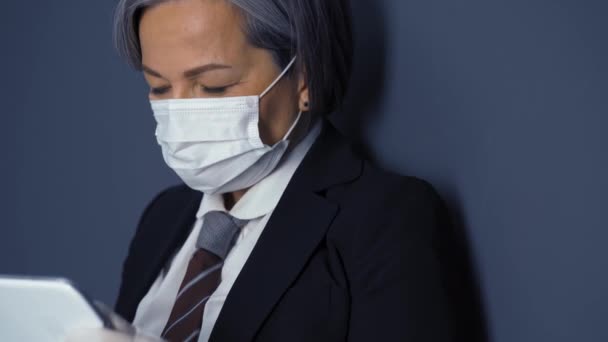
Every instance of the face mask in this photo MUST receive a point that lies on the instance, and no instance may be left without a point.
(213, 144)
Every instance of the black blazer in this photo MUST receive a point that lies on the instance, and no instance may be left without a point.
(349, 254)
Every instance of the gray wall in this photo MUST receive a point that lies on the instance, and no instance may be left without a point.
(501, 104)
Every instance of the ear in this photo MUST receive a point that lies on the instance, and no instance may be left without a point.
(304, 101)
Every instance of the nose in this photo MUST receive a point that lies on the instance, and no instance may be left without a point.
(182, 92)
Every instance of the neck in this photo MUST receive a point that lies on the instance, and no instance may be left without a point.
(230, 199)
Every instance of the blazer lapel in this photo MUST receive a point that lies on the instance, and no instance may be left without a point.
(153, 250)
(296, 227)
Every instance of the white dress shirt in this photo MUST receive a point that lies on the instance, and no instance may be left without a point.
(256, 206)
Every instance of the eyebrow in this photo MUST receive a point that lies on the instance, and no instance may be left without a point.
(189, 73)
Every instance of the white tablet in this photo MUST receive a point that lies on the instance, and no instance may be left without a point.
(43, 309)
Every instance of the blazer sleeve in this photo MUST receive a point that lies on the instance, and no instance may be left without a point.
(397, 293)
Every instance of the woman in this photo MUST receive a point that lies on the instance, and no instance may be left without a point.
(281, 232)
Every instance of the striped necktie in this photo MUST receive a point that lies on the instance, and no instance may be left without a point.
(215, 240)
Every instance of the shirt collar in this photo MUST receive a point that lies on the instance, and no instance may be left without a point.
(264, 196)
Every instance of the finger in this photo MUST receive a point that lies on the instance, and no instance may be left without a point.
(98, 335)
(146, 338)
(118, 323)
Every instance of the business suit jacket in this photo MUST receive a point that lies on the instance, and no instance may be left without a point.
(349, 254)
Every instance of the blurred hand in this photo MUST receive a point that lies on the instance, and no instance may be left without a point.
(106, 335)
(123, 331)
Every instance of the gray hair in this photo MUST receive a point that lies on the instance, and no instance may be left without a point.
(317, 31)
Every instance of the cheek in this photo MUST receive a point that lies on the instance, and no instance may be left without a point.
(269, 115)
(278, 110)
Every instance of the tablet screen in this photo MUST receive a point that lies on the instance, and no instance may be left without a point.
(43, 309)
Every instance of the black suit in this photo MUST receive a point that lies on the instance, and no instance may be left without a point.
(349, 254)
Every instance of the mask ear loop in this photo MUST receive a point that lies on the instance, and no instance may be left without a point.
(279, 78)
(293, 126)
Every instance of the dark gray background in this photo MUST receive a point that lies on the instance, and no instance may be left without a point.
(501, 104)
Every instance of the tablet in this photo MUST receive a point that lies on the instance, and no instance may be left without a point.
(44, 309)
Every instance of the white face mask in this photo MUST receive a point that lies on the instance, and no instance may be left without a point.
(213, 144)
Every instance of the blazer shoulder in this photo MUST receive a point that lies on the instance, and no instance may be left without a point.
(383, 202)
(167, 209)
(171, 194)
(377, 183)
(168, 201)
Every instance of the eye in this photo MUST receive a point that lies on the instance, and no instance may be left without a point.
(214, 90)
(159, 91)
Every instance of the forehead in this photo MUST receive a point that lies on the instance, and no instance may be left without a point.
(188, 33)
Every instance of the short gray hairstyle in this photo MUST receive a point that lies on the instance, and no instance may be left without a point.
(319, 32)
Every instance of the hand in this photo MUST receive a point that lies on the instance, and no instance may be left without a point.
(123, 331)
(106, 335)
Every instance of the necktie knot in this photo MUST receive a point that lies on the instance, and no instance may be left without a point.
(219, 232)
